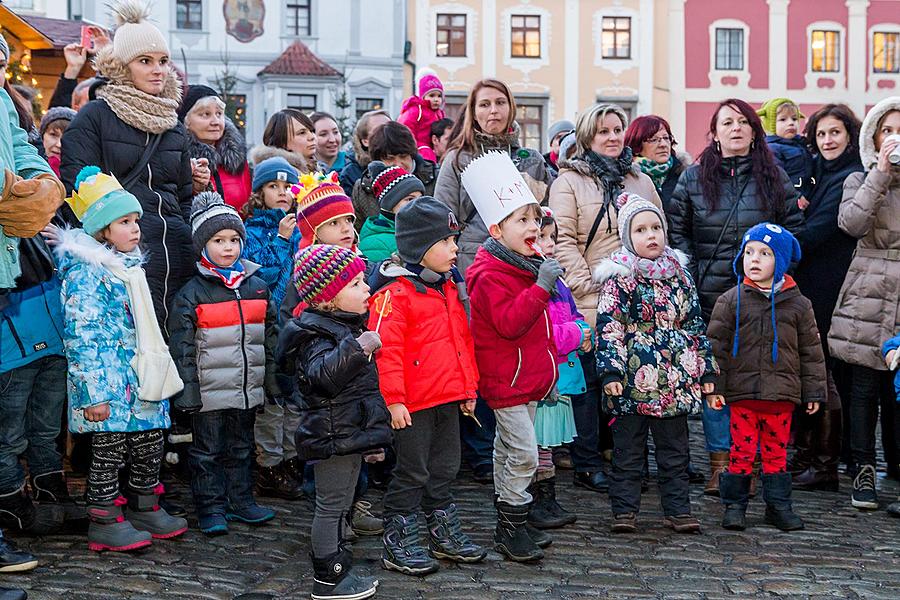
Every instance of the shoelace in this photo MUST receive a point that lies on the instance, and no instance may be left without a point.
(865, 479)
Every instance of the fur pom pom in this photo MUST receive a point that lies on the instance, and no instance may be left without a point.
(86, 173)
(130, 11)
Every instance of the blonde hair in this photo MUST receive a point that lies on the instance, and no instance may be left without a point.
(588, 124)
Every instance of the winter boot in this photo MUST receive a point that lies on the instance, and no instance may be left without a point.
(145, 514)
(13, 594)
(511, 536)
(274, 482)
(555, 508)
(777, 494)
(864, 495)
(293, 468)
(334, 578)
(51, 488)
(13, 560)
(110, 531)
(19, 513)
(545, 511)
(734, 490)
(363, 521)
(447, 540)
(403, 551)
(718, 462)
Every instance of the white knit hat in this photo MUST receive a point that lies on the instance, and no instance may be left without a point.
(135, 35)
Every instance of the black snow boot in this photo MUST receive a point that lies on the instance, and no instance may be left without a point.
(545, 511)
(777, 494)
(19, 513)
(335, 579)
(511, 536)
(51, 488)
(403, 551)
(734, 490)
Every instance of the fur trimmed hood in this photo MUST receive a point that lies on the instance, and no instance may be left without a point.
(108, 66)
(867, 133)
(262, 152)
(230, 153)
(581, 166)
(607, 269)
(76, 246)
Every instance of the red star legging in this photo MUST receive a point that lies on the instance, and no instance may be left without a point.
(753, 430)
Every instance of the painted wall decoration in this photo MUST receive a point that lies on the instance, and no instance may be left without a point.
(244, 19)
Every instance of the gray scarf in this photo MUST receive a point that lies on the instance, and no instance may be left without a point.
(530, 264)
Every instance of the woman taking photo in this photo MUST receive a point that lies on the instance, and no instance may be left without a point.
(653, 146)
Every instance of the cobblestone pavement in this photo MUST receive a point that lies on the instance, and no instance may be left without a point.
(843, 553)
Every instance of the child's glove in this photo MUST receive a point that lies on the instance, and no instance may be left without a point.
(369, 341)
(28, 205)
(549, 272)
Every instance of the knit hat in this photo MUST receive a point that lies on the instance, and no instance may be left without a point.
(194, 94)
(629, 206)
(98, 199)
(421, 225)
(135, 35)
(559, 127)
(392, 184)
(566, 144)
(429, 81)
(57, 113)
(4, 48)
(786, 249)
(768, 112)
(321, 271)
(320, 198)
(209, 216)
(276, 168)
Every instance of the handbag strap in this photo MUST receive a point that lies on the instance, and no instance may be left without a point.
(715, 251)
(138, 168)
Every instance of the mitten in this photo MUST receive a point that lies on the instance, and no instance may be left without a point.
(28, 205)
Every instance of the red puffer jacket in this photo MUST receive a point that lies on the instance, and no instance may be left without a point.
(427, 357)
(514, 345)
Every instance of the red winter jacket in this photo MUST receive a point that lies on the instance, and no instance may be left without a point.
(511, 327)
(236, 187)
(427, 357)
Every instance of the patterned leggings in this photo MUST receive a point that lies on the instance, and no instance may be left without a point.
(109, 452)
(767, 432)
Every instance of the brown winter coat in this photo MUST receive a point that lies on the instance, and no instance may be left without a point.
(799, 374)
(868, 307)
(576, 198)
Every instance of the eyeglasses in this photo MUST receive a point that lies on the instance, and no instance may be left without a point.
(663, 139)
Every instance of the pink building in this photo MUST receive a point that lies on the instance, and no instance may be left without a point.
(812, 51)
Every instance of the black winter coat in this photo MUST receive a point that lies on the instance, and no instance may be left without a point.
(97, 136)
(827, 250)
(342, 410)
(671, 182)
(694, 228)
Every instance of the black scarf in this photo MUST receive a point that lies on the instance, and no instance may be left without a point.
(611, 172)
(530, 264)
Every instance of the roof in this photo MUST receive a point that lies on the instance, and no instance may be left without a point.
(299, 60)
(41, 33)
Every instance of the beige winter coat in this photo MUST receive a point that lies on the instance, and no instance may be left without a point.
(576, 198)
(866, 314)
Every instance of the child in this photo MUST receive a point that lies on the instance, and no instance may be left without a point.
(110, 331)
(781, 120)
(764, 335)
(510, 289)
(329, 353)
(223, 337)
(554, 421)
(394, 188)
(419, 112)
(892, 359)
(272, 239)
(653, 360)
(424, 324)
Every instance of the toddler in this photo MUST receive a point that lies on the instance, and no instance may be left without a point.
(420, 111)
(781, 120)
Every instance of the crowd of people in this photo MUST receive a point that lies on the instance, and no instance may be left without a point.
(306, 317)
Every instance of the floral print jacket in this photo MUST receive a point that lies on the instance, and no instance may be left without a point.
(651, 338)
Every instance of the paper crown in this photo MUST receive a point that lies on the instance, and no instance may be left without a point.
(496, 187)
(312, 180)
(90, 186)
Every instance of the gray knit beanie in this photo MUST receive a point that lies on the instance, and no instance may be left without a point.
(135, 35)
(57, 113)
(209, 216)
(629, 206)
(421, 225)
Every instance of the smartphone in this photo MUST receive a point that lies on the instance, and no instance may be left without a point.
(87, 38)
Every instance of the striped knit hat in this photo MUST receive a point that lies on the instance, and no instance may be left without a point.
(321, 271)
(392, 184)
(320, 198)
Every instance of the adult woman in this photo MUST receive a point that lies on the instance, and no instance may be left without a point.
(653, 146)
(833, 132)
(132, 131)
(866, 313)
(734, 185)
(357, 159)
(291, 135)
(583, 201)
(215, 138)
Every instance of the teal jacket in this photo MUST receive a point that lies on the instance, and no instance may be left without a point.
(376, 239)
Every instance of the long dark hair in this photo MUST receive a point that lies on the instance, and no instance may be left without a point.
(765, 172)
(841, 112)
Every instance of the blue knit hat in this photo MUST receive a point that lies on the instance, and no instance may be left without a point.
(786, 249)
(274, 169)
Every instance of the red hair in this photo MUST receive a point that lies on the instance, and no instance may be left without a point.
(644, 128)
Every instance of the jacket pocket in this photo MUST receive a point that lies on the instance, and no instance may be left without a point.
(518, 368)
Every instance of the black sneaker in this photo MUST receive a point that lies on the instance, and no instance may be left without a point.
(13, 560)
(864, 495)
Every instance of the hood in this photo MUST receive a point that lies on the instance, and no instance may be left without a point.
(415, 102)
(608, 268)
(393, 269)
(230, 153)
(262, 152)
(581, 166)
(75, 246)
(109, 67)
(867, 133)
(376, 225)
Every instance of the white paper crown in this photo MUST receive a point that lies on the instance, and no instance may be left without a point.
(496, 187)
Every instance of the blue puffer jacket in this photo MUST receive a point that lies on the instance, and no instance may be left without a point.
(274, 255)
(32, 326)
(893, 344)
(796, 160)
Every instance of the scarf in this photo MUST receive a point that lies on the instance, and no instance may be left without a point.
(152, 114)
(231, 276)
(611, 173)
(665, 266)
(530, 264)
(655, 171)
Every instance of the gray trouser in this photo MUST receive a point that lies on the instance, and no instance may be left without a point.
(515, 453)
(335, 483)
(274, 432)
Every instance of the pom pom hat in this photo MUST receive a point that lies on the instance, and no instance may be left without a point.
(428, 82)
(392, 184)
(135, 35)
(98, 199)
(321, 271)
(209, 216)
(320, 198)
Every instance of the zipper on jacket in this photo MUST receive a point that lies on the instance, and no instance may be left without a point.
(165, 246)
(15, 335)
(518, 368)
(237, 294)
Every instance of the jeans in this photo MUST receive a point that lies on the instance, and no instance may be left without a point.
(110, 451)
(478, 442)
(32, 400)
(716, 428)
(515, 453)
(335, 483)
(274, 431)
(221, 460)
(869, 389)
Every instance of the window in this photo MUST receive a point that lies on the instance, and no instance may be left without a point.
(364, 105)
(886, 52)
(298, 17)
(729, 49)
(29, 4)
(531, 125)
(826, 51)
(303, 102)
(451, 35)
(526, 36)
(189, 14)
(616, 40)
